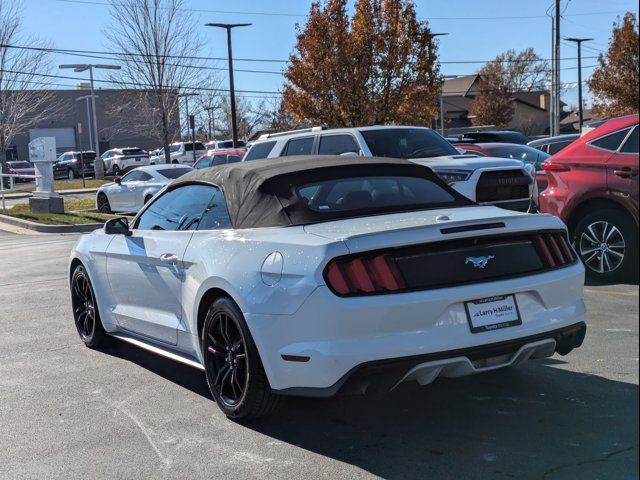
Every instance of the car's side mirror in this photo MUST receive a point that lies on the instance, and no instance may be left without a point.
(117, 180)
(117, 226)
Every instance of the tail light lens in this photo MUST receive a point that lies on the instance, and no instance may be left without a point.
(554, 249)
(554, 167)
(357, 275)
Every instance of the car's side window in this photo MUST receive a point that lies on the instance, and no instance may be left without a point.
(337, 145)
(299, 146)
(178, 209)
(133, 176)
(216, 215)
(259, 151)
(631, 145)
(144, 177)
(612, 141)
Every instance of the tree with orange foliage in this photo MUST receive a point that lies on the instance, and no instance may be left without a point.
(614, 83)
(378, 67)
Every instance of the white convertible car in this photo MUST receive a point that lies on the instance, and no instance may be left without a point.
(131, 192)
(292, 277)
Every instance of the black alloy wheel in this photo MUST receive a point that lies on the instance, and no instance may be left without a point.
(233, 368)
(227, 356)
(103, 203)
(85, 309)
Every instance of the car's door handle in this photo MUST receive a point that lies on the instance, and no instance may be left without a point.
(171, 258)
(625, 172)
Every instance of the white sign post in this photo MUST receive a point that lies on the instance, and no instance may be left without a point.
(42, 153)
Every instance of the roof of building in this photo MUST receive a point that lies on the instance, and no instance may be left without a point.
(459, 85)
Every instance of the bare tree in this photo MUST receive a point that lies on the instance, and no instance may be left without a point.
(251, 116)
(208, 104)
(23, 100)
(159, 45)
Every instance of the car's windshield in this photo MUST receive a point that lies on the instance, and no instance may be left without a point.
(403, 142)
(172, 173)
(374, 193)
(20, 165)
(519, 152)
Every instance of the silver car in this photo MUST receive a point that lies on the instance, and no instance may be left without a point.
(131, 192)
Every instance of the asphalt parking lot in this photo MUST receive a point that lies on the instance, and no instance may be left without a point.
(70, 412)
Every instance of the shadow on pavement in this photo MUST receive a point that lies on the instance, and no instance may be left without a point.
(536, 421)
(178, 373)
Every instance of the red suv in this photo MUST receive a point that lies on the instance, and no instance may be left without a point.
(593, 188)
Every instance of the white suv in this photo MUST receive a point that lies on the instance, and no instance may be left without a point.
(181, 152)
(507, 183)
(120, 160)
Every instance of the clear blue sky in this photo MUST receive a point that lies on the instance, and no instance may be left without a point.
(472, 36)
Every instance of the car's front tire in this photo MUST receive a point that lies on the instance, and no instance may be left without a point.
(103, 204)
(71, 175)
(85, 310)
(233, 367)
(607, 242)
(116, 171)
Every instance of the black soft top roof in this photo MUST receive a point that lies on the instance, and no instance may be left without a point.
(262, 193)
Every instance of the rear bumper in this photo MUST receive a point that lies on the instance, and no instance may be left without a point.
(385, 375)
(338, 334)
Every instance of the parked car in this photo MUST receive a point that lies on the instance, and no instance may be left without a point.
(502, 182)
(181, 152)
(553, 145)
(72, 165)
(593, 188)
(219, 157)
(120, 160)
(528, 154)
(357, 274)
(494, 136)
(222, 144)
(19, 167)
(131, 192)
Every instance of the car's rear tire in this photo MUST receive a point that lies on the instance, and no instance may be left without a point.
(607, 242)
(85, 310)
(175, 162)
(233, 367)
(103, 203)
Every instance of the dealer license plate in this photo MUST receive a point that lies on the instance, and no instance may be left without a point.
(492, 313)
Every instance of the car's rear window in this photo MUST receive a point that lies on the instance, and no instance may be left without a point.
(374, 193)
(133, 151)
(174, 172)
(407, 143)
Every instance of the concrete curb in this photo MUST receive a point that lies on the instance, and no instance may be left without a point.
(39, 227)
(79, 191)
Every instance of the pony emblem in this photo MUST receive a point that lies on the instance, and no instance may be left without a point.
(479, 262)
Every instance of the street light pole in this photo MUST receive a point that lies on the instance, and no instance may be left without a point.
(228, 27)
(578, 42)
(189, 126)
(81, 67)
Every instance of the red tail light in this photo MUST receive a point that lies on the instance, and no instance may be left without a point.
(363, 275)
(554, 249)
(554, 167)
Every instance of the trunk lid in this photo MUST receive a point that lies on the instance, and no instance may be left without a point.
(424, 226)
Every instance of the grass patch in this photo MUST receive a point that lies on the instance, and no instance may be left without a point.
(77, 211)
(69, 184)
